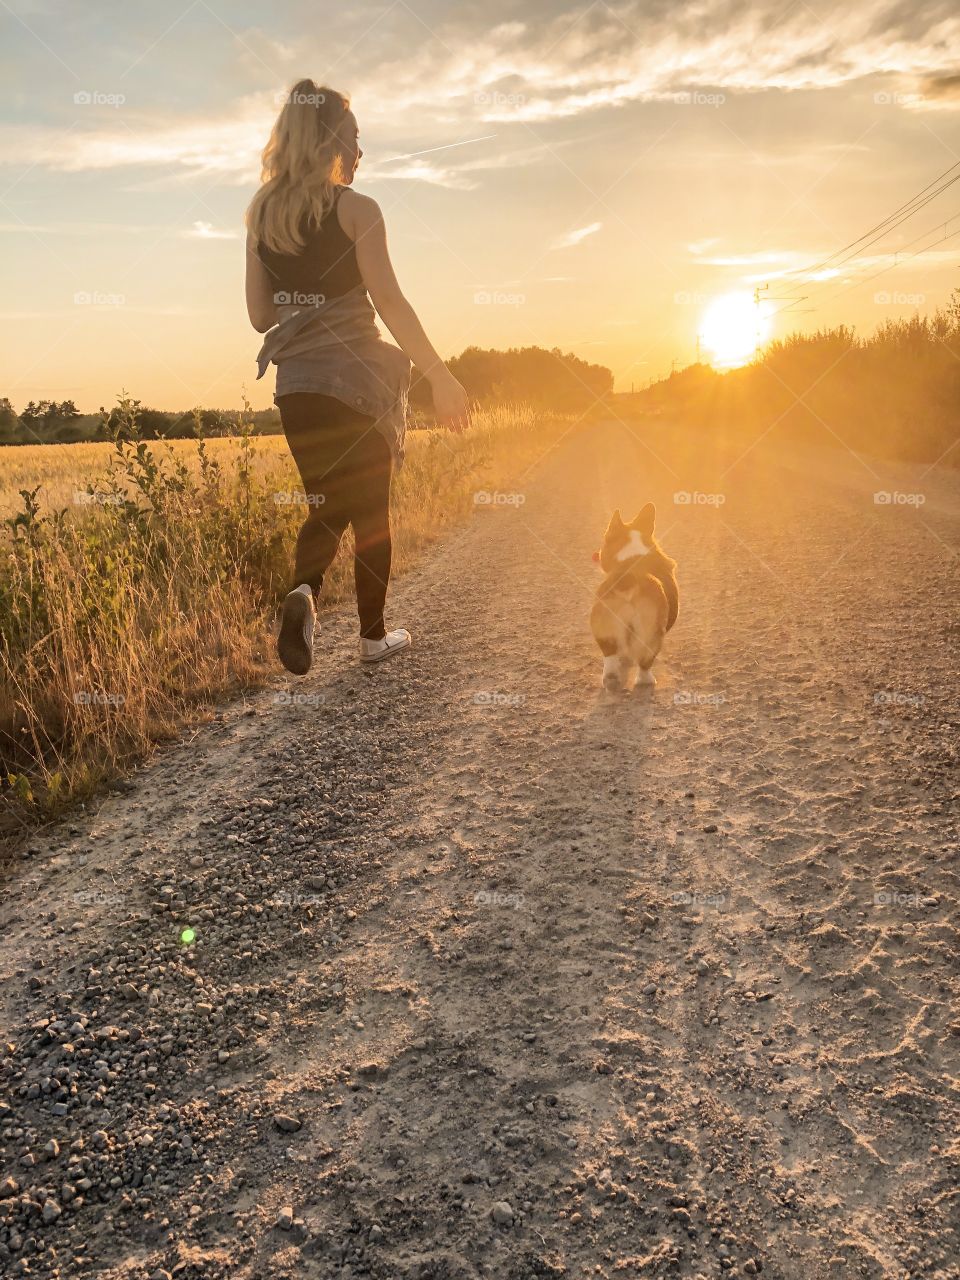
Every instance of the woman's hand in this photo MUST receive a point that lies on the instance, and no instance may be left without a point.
(450, 402)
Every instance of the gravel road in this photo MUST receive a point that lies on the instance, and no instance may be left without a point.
(489, 973)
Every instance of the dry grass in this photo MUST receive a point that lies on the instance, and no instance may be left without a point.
(64, 470)
(128, 610)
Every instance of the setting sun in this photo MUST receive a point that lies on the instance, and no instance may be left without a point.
(732, 328)
(479, 527)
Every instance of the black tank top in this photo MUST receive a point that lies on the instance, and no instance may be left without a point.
(327, 265)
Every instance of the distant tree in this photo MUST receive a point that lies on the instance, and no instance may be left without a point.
(44, 419)
(33, 413)
(152, 424)
(10, 430)
(555, 379)
(212, 423)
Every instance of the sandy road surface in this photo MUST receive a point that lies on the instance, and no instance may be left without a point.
(498, 975)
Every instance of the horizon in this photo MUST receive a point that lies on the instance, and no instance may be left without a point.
(629, 194)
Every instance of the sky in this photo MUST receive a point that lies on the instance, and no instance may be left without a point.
(584, 176)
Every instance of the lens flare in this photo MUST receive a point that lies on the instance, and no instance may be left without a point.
(732, 328)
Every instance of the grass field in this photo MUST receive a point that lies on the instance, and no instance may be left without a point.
(64, 470)
(138, 582)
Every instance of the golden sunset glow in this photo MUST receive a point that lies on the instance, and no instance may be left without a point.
(732, 329)
(648, 171)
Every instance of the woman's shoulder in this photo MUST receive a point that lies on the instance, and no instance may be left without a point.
(357, 211)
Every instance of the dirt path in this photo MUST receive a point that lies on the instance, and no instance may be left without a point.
(497, 975)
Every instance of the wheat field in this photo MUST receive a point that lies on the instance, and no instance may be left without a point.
(139, 581)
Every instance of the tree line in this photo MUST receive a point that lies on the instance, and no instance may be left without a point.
(550, 379)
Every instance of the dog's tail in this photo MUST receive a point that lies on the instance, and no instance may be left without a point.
(672, 592)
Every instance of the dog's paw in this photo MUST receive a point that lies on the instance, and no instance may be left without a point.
(646, 679)
(612, 674)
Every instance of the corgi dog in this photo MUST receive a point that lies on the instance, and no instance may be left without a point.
(636, 603)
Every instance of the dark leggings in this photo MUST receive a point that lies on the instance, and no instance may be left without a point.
(345, 465)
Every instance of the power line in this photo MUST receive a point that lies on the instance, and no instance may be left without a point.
(890, 223)
(854, 284)
(902, 207)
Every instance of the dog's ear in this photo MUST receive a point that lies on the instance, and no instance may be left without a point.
(616, 524)
(643, 522)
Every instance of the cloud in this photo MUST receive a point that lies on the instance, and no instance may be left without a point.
(207, 231)
(939, 92)
(80, 228)
(757, 258)
(452, 72)
(228, 147)
(796, 268)
(611, 55)
(571, 238)
(419, 171)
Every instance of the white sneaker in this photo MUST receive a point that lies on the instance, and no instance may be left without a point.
(377, 650)
(298, 621)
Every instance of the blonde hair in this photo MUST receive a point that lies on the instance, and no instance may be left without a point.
(301, 167)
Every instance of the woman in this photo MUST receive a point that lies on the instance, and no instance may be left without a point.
(317, 266)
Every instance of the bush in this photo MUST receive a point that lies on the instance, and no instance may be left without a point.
(895, 394)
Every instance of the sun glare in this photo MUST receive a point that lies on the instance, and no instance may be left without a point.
(732, 328)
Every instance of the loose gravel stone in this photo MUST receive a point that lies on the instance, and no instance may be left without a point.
(502, 1213)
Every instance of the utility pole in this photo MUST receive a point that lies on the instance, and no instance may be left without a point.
(772, 298)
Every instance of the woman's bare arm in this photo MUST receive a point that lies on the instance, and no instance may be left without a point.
(363, 222)
(259, 289)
